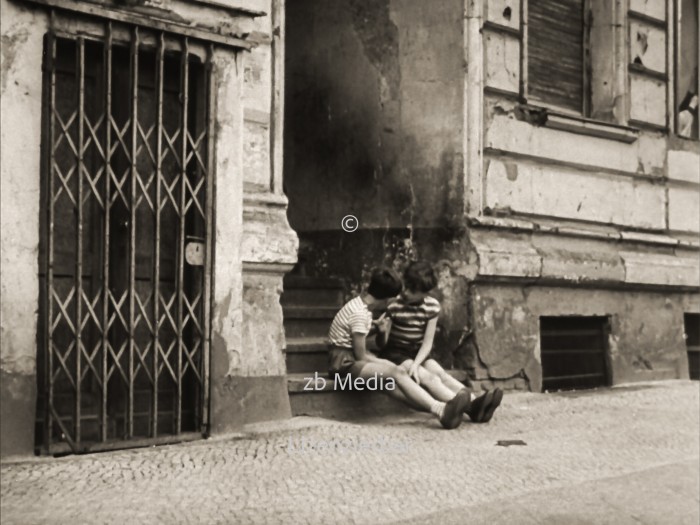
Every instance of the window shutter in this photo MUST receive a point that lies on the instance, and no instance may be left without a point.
(555, 49)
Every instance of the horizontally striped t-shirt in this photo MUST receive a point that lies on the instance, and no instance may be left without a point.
(354, 317)
(408, 322)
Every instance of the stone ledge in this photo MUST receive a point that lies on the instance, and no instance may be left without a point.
(527, 256)
(658, 269)
(506, 255)
(581, 126)
(527, 224)
(267, 236)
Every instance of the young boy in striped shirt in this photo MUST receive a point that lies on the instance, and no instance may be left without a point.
(408, 339)
(348, 352)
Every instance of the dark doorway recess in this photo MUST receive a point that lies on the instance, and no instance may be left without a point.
(574, 352)
(692, 340)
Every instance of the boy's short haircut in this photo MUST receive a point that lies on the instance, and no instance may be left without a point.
(385, 283)
(419, 277)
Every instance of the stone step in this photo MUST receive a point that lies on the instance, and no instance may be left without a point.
(312, 297)
(310, 312)
(310, 354)
(306, 282)
(306, 354)
(303, 293)
(305, 321)
(305, 345)
(306, 328)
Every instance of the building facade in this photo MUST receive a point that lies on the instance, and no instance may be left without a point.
(541, 154)
(544, 156)
(144, 235)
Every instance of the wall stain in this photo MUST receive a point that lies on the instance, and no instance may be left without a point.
(9, 49)
(380, 39)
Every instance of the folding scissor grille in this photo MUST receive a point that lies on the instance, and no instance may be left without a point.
(126, 250)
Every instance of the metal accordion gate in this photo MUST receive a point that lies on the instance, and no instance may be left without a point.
(126, 243)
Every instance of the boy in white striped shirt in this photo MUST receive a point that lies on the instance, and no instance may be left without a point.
(349, 355)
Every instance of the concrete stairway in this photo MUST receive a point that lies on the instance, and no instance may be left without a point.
(309, 305)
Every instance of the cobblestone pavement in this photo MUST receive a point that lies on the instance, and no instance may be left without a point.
(379, 471)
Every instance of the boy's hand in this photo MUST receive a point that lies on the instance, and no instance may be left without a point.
(383, 323)
(413, 371)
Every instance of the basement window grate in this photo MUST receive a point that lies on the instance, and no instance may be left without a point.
(574, 352)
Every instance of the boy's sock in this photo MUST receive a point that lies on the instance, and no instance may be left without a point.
(438, 409)
(472, 395)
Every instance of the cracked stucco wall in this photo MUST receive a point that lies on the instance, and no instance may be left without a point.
(20, 101)
(373, 128)
(650, 184)
(244, 376)
(584, 211)
(646, 335)
(363, 81)
(558, 207)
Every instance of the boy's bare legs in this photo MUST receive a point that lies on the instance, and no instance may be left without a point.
(449, 413)
(450, 382)
(400, 396)
(406, 389)
(432, 382)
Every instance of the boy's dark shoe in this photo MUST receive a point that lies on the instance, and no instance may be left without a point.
(452, 416)
(466, 392)
(479, 406)
(491, 408)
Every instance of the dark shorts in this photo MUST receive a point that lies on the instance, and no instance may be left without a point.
(398, 355)
(342, 361)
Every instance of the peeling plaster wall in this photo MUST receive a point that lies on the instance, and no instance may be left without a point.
(256, 99)
(373, 103)
(645, 342)
(548, 206)
(253, 244)
(255, 385)
(20, 101)
(608, 182)
(580, 209)
(374, 116)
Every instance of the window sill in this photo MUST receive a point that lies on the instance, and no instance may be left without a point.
(575, 124)
(550, 226)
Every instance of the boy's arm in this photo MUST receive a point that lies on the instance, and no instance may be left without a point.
(359, 346)
(425, 348)
(383, 325)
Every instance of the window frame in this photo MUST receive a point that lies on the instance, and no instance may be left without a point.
(553, 116)
(675, 31)
(525, 93)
